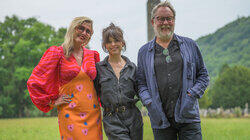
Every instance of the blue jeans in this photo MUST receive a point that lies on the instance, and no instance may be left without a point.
(183, 131)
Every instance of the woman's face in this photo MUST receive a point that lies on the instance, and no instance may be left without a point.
(114, 47)
(82, 34)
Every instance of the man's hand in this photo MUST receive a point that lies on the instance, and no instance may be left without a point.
(149, 104)
(189, 94)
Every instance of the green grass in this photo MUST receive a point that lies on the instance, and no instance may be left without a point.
(226, 129)
(47, 129)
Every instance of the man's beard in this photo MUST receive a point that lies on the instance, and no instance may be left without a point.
(161, 35)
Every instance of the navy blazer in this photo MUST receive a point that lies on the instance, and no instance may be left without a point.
(195, 81)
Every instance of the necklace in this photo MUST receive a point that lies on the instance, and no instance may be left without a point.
(79, 58)
(117, 67)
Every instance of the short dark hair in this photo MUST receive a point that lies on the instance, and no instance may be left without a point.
(112, 31)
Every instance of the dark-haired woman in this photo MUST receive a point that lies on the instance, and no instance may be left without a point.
(117, 87)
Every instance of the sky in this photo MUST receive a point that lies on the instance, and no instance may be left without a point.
(194, 18)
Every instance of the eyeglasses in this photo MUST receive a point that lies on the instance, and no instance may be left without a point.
(162, 19)
(82, 29)
(166, 53)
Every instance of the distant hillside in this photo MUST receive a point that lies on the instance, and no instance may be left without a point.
(229, 44)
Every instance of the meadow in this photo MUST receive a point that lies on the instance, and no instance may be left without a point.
(47, 129)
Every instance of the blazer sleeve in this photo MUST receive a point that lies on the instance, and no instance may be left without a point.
(43, 84)
(202, 78)
(141, 81)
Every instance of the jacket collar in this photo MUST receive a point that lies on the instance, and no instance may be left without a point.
(152, 42)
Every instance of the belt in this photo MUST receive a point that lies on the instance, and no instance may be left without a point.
(117, 109)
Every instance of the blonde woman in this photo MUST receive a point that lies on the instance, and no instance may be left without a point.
(64, 79)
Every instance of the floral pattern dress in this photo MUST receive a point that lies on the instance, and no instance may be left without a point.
(54, 75)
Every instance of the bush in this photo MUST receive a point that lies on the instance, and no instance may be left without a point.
(237, 112)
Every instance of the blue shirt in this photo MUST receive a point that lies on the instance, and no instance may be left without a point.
(195, 81)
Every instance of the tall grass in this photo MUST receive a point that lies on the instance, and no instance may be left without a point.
(47, 129)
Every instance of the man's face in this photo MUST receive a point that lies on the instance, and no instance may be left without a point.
(163, 23)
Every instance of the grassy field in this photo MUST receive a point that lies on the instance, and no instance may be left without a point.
(47, 129)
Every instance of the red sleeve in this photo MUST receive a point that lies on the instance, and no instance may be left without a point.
(97, 56)
(43, 84)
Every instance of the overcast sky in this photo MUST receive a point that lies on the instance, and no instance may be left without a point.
(194, 18)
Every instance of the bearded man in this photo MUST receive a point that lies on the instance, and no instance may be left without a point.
(171, 78)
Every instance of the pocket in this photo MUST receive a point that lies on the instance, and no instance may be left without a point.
(189, 109)
(190, 70)
(106, 84)
(134, 118)
(153, 114)
(104, 79)
(128, 86)
(130, 81)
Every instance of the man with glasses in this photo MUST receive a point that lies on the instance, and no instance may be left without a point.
(171, 78)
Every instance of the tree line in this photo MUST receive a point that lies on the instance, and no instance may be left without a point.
(22, 43)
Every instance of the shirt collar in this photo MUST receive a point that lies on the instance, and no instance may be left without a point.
(153, 42)
(105, 61)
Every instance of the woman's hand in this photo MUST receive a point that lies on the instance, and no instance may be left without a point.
(63, 99)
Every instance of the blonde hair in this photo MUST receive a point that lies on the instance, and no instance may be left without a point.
(68, 44)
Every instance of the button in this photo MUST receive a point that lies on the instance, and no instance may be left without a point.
(170, 87)
(172, 102)
(169, 74)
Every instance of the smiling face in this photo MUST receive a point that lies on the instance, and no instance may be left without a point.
(164, 23)
(82, 34)
(114, 47)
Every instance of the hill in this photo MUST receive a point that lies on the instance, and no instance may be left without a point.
(228, 45)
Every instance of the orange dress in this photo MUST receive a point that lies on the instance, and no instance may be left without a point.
(55, 75)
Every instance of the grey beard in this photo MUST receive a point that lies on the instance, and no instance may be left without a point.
(163, 37)
(166, 37)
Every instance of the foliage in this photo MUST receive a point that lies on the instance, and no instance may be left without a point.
(238, 111)
(22, 43)
(229, 44)
(205, 101)
(231, 88)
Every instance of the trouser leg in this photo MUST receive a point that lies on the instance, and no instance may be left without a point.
(137, 135)
(169, 133)
(190, 131)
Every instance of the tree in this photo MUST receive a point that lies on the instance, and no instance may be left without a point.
(229, 44)
(22, 44)
(205, 101)
(231, 88)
